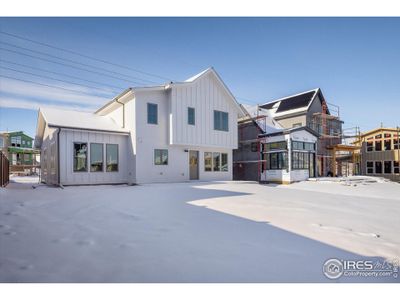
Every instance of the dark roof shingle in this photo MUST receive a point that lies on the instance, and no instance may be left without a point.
(298, 101)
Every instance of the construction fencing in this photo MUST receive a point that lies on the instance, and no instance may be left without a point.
(4, 170)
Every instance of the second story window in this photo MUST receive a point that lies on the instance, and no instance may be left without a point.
(221, 120)
(191, 116)
(152, 113)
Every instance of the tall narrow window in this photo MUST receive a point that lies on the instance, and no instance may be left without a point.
(216, 161)
(160, 157)
(378, 167)
(387, 145)
(80, 157)
(112, 157)
(224, 162)
(221, 120)
(396, 167)
(207, 161)
(387, 167)
(191, 116)
(152, 113)
(378, 145)
(396, 143)
(370, 146)
(96, 157)
(370, 167)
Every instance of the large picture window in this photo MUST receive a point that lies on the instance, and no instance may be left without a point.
(160, 157)
(112, 157)
(300, 160)
(221, 120)
(277, 160)
(215, 161)
(152, 113)
(80, 157)
(96, 157)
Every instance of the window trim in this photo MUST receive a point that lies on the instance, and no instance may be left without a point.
(86, 159)
(102, 158)
(148, 113)
(220, 125)
(161, 157)
(117, 170)
(189, 109)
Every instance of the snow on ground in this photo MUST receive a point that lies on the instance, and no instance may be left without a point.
(193, 232)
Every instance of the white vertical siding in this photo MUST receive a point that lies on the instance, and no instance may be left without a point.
(69, 177)
(205, 95)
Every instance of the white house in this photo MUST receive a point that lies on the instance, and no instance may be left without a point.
(175, 132)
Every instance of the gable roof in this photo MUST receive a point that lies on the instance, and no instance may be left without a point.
(299, 102)
(70, 119)
(190, 80)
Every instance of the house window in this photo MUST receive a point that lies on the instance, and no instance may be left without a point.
(224, 162)
(378, 167)
(27, 157)
(379, 136)
(277, 160)
(160, 157)
(96, 157)
(370, 167)
(387, 145)
(80, 157)
(221, 120)
(216, 161)
(152, 113)
(112, 157)
(396, 143)
(378, 145)
(387, 167)
(207, 161)
(16, 141)
(276, 146)
(191, 116)
(254, 147)
(370, 146)
(396, 168)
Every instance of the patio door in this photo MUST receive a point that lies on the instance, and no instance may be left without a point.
(193, 165)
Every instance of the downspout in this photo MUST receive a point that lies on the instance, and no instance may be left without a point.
(123, 112)
(58, 159)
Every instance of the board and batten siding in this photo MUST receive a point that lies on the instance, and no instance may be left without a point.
(69, 177)
(205, 95)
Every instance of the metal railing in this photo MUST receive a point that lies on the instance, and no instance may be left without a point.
(4, 170)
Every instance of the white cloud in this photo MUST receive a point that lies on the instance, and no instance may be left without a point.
(30, 90)
(14, 102)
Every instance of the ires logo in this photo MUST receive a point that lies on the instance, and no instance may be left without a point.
(334, 268)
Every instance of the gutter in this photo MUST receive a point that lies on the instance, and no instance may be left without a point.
(88, 129)
(123, 111)
(58, 159)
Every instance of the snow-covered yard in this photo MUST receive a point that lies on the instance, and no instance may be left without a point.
(194, 232)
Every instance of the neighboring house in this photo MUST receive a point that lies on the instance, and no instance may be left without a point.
(380, 153)
(175, 132)
(4, 143)
(20, 153)
(310, 109)
(269, 153)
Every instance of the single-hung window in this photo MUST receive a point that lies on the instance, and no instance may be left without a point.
(160, 157)
(80, 157)
(96, 157)
(112, 158)
(152, 113)
(221, 120)
(191, 116)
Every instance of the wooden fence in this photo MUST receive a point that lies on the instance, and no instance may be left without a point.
(4, 170)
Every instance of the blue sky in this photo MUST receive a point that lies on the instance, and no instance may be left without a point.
(355, 61)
